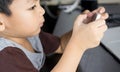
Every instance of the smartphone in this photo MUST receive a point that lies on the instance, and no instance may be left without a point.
(96, 16)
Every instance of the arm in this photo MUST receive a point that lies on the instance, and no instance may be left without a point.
(84, 36)
(63, 42)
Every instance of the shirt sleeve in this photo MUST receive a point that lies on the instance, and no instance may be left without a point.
(50, 43)
(14, 60)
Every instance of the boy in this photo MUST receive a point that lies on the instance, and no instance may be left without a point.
(20, 47)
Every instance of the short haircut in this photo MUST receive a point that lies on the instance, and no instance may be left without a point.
(4, 7)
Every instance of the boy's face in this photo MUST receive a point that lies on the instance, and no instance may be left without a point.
(26, 19)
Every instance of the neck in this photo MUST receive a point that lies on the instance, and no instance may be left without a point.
(23, 42)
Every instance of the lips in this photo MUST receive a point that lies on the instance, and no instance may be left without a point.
(42, 22)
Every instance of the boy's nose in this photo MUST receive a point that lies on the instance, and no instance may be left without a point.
(41, 10)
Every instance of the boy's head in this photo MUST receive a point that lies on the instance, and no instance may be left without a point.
(20, 18)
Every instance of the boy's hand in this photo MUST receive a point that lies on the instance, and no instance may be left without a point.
(90, 34)
(65, 38)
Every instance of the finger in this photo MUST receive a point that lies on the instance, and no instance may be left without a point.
(103, 28)
(99, 10)
(100, 32)
(104, 15)
(97, 23)
(90, 14)
(100, 36)
(86, 12)
(80, 19)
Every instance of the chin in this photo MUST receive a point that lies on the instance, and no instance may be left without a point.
(36, 33)
(39, 30)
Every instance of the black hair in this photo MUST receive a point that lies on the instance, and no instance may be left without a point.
(4, 7)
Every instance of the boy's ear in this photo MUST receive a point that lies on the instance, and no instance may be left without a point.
(2, 25)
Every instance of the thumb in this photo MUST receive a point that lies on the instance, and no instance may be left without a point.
(80, 19)
(79, 22)
(86, 12)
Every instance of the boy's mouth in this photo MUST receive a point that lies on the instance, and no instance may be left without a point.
(42, 22)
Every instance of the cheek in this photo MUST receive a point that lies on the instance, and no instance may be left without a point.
(23, 24)
(29, 23)
(26, 20)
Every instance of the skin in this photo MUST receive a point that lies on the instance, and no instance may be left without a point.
(27, 19)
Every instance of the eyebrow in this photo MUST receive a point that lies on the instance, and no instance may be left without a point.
(30, 1)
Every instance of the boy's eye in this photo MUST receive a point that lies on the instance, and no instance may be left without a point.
(33, 7)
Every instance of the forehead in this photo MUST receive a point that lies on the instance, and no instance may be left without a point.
(24, 1)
